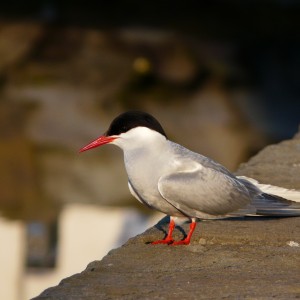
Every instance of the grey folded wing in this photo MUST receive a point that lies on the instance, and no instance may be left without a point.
(203, 191)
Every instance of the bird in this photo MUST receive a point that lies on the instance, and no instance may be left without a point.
(186, 185)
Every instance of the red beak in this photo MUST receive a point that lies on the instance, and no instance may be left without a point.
(102, 140)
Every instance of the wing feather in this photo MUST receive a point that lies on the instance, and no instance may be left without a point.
(203, 190)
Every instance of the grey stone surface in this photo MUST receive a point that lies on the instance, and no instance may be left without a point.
(245, 258)
(230, 259)
(276, 164)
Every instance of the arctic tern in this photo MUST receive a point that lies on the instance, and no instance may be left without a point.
(186, 185)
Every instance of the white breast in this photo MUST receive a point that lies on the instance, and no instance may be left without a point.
(145, 164)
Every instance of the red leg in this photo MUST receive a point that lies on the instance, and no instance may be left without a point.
(168, 239)
(187, 240)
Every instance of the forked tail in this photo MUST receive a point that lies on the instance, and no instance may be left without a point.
(274, 200)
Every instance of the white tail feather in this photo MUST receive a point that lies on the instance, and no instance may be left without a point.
(293, 195)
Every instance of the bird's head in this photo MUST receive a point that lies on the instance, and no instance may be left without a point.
(129, 129)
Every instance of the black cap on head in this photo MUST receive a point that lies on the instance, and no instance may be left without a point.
(131, 119)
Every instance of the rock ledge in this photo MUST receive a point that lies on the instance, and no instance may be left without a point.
(233, 258)
(245, 258)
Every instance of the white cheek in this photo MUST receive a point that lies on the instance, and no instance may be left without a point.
(125, 142)
(138, 133)
(138, 137)
(119, 142)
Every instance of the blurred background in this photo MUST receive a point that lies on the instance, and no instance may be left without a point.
(222, 77)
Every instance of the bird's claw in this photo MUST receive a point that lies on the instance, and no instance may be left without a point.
(165, 241)
(171, 242)
(183, 242)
